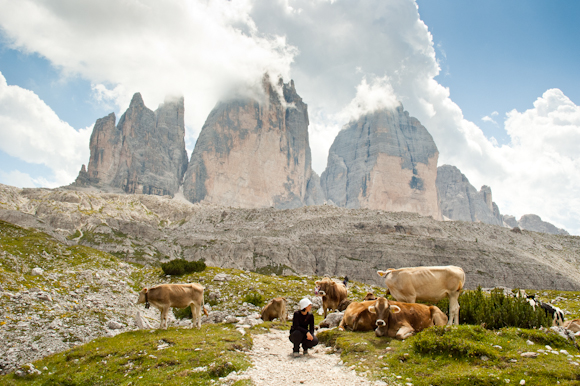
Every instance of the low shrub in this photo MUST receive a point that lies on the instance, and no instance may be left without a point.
(180, 267)
(254, 298)
(495, 311)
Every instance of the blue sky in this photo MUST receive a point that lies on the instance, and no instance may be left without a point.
(469, 71)
(501, 55)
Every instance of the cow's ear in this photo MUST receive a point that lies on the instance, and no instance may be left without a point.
(381, 273)
(372, 310)
(393, 309)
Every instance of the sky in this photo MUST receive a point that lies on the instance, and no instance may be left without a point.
(496, 83)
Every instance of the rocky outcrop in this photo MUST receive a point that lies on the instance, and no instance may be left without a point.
(324, 240)
(144, 153)
(532, 222)
(255, 153)
(384, 160)
(460, 201)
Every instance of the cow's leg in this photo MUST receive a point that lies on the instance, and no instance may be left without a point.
(163, 324)
(324, 307)
(404, 332)
(195, 315)
(453, 309)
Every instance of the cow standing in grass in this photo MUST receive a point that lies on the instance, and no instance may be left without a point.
(276, 308)
(332, 293)
(429, 284)
(165, 296)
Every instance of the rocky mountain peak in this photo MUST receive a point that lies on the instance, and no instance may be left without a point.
(384, 160)
(144, 153)
(253, 153)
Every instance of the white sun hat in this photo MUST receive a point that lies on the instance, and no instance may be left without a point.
(304, 303)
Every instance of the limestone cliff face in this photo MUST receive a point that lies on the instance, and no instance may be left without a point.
(460, 201)
(385, 160)
(255, 154)
(144, 153)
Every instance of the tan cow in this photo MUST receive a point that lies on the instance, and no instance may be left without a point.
(332, 293)
(572, 325)
(370, 296)
(165, 296)
(357, 317)
(429, 284)
(276, 308)
(401, 320)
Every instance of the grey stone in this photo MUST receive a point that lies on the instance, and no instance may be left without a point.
(332, 320)
(37, 271)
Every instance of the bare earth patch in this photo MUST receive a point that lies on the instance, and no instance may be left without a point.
(273, 364)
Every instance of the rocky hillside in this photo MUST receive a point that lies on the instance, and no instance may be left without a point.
(313, 240)
(144, 153)
(252, 153)
(385, 160)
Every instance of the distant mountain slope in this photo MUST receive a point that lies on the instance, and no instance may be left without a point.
(309, 240)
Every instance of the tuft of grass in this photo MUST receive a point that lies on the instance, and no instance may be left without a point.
(255, 299)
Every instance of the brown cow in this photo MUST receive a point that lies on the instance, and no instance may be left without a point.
(370, 296)
(572, 325)
(429, 284)
(401, 320)
(357, 317)
(164, 296)
(276, 308)
(332, 293)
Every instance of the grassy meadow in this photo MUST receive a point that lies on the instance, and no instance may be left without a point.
(463, 355)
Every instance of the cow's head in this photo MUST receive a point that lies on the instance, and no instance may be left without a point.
(323, 286)
(382, 308)
(143, 298)
(370, 296)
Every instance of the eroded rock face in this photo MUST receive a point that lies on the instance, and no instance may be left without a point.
(255, 154)
(144, 153)
(532, 222)
(460, 201)
(384, 160)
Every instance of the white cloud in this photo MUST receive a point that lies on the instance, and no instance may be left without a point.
(32, 132)
(200, 49)
(487, 118)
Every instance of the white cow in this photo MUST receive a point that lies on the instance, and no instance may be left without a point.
(429, 284)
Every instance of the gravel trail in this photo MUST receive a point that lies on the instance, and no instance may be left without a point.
(273, 364)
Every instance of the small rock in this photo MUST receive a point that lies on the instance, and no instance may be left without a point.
(140, 322)
(529, 355)
(37, 271)
(484, 358)
(114, 325)
(529, 342)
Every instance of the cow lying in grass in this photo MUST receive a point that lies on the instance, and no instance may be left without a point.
(165, 296)
(401, 320)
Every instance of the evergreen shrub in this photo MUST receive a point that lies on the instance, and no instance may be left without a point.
(495, 311)
(180, 267)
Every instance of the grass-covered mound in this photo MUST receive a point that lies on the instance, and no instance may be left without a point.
(463, 355)
(156, 357)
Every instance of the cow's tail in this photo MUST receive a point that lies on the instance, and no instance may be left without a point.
(461, 282)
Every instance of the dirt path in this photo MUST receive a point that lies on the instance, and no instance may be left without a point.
(273, 364)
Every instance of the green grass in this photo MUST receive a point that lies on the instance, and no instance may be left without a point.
(135, 358)
(463, 355)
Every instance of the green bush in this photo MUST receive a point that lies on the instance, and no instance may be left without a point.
(254, 298)
(180, 267)
(495, 311)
